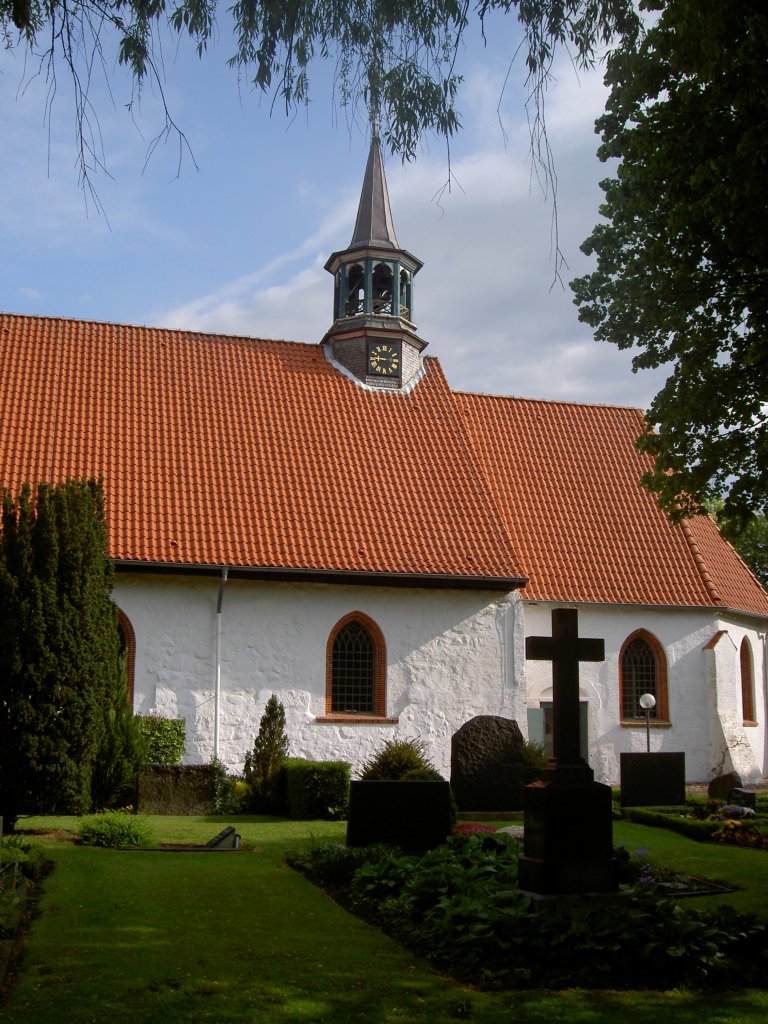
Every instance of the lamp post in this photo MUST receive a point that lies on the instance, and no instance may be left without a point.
(647, 703)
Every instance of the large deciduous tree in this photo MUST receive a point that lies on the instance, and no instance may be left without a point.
(62, 709)
(682, 260)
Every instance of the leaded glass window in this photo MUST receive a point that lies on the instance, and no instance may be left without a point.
(639, 675)
(353, 671)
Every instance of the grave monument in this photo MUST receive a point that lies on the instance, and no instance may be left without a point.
(568, 845)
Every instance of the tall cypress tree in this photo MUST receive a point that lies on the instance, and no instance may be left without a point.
(60, 667)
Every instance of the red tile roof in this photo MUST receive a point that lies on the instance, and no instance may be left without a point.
(246, 453)
(261, 455)
(565, 481)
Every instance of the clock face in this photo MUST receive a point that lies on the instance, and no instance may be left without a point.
(384, 359)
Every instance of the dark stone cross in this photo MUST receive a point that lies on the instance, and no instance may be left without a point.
(565, 649)
(568, 846)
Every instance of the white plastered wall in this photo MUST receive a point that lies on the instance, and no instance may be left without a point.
(704, 688)
(451, 654)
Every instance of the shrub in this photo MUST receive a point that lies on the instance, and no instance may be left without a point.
(263, 763)
(398, 759)
(532, 762)
(115, 829)
(333, 864)
(315, 789)
(226, 796)
(163, 739)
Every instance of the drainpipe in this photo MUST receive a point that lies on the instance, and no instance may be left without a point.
(217, 687)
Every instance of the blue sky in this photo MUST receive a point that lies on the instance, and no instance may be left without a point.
(233, 239)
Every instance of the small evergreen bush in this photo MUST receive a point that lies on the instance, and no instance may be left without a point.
(263, 763)
(397, 760)
(116, 829)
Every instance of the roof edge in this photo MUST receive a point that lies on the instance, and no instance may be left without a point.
(347, 577)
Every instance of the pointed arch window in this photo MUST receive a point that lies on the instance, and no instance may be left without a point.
(747, 683)
(643, 669)
(356, 669)
(128, 650)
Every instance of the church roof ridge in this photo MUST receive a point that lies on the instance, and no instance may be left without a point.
(534, 400)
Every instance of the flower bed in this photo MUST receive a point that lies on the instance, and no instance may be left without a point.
(711, 821)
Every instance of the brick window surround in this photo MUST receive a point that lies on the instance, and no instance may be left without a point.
(378, 674)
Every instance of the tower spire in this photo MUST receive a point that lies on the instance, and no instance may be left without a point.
(373, 335)
(374, 225)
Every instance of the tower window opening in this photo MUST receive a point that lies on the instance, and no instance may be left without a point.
(355, 290)
(405, 294)
(382, 288)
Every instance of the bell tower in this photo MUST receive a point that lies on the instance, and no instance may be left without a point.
(373, 335)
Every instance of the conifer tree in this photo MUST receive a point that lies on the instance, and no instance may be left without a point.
(59, 650)
(262, 764)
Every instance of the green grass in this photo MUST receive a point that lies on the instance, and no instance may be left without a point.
(156, 937)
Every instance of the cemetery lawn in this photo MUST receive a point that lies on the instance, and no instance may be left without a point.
(160, 938)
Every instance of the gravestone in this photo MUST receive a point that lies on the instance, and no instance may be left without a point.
(487, 764)
(743, 798)
(568, 841)
(653, 780)
(721, 787)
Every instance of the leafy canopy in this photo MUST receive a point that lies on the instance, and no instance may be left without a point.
(682, 260)
(398, 57)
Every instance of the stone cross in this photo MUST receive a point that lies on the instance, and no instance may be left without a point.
(565, 649)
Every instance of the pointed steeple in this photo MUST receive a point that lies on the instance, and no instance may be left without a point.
(373, 335)
(374, 225)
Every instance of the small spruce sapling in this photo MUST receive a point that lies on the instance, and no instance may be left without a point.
(263, 763)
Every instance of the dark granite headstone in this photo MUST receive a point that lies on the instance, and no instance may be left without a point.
(487, 765)
(743, 798)
(415, 815)
(653, 780)
(722, 787)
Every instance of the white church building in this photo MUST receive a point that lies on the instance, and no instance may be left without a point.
(331, 523)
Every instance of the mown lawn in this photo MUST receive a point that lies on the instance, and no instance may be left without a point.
(157, 937)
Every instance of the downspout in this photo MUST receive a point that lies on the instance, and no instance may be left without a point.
(217, 686)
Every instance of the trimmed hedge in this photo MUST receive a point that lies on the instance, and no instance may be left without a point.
(673, 819)
(163, 739)
(315, 789)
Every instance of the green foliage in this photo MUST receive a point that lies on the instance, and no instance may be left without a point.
(226, 799)
(163, 739)
(316, 790)
(398, 760)
(61, 701)
(459, 907)
(682, 262)
(398, 59)
(748, 535)
(532, 761)
(334, 864)
(710, 822)
(115, 829)
(263, 763)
